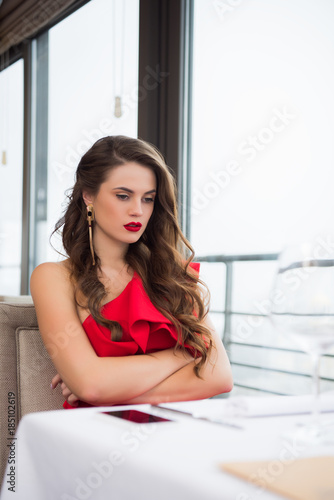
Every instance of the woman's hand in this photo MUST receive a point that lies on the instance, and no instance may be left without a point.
(71, 398)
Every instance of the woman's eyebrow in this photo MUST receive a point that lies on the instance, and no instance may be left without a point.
(130, 190)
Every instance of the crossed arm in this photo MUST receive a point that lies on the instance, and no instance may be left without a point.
(149, 378)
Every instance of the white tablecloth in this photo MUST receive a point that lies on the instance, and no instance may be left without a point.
(82, 454)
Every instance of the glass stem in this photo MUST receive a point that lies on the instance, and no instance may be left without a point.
(315, 413)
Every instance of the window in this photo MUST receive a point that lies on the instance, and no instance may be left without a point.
(11, 177)
(89, 61)
(262, 123)
(81, 83)
(262, 149)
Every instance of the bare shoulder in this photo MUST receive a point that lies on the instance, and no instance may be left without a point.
(51, 275)
(51, 268)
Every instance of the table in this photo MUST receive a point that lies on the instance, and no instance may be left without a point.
(84, 454)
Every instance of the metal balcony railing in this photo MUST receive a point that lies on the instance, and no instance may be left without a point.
(249, 376)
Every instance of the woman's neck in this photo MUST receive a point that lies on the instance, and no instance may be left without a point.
(111, 253)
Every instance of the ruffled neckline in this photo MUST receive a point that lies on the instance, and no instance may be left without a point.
(115, 299)
(143, 325)
(138, 317)
(193, 265)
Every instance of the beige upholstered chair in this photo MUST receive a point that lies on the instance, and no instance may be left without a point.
(25, 369)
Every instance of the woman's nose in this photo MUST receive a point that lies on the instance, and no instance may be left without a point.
(136, 208)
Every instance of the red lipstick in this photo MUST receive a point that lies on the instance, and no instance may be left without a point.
(133, 226)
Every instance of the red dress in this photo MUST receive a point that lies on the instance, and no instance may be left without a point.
(145, 329)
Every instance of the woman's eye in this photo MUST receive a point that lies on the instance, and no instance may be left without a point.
(122, 196)
(149, 200)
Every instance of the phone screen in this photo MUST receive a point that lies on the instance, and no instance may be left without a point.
(136, 416)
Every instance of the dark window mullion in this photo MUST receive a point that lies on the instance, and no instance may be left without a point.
(39, 201)
(27, 120)
(164, 47)
(185, 115)
(34, 209)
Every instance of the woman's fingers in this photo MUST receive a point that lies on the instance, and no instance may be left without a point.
(66, 392)
(55, 381)
(71, 398)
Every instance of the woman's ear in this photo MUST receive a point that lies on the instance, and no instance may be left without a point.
(87, 198)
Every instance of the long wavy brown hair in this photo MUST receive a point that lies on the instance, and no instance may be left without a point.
(161, 257)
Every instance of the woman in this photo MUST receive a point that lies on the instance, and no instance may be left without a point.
(123, 317)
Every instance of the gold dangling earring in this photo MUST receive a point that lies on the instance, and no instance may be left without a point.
(90, 218)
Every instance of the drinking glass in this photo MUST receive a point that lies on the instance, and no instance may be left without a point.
(302, 308)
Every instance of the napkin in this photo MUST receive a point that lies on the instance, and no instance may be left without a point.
(302, 479)
(248, 406)
(275, 405)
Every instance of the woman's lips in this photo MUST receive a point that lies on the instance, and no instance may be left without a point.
(133, 226)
